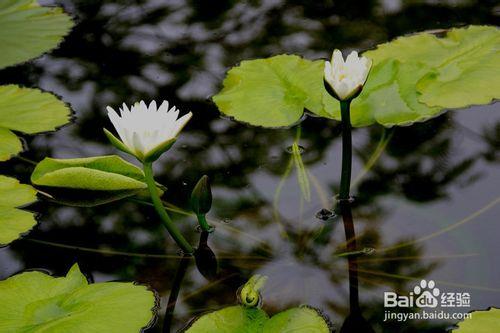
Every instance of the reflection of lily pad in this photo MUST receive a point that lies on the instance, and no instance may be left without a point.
(487, 321)
(274, 91)
(37, 302)
(28, 111)
(241, 319)
(102, 173)
(27, 30)
(14, 221)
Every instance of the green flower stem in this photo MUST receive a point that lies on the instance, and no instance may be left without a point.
(202, 220)
(345, 180)
(345, 204)
(160, 209)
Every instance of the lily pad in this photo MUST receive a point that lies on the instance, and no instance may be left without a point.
(241, 319)
(102, 173)
(27, 30)
(29, 111)
(463, 67)
(14, 221)
(233, 319)
(487, 321)
(413, 79)
(301, 319)
(37, 302)
(273, 92)
(10, 144)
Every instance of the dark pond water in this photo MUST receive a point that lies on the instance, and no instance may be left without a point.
(428, 205)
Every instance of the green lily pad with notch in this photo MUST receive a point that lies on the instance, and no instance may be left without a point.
(233, 319)
(241, 319)
(463, 66)
(487, 321)
(27, 30)
(14, 221)
(37, 302)
(273, 92)
(28, 111)
(102, 173)
(301, 319)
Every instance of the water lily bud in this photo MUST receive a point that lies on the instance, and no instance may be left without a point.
(205, 258)
(201, 197)
(344, 80)
(146, 132)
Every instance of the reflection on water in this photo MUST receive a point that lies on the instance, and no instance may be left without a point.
(426, 195)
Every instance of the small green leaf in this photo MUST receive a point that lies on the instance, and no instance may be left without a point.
(10, 145)
(14, 221)
(102, 173)
(37, 302)
(233, 319)
(273, 92)
(301, 319)
(487, 321)
(28, 30)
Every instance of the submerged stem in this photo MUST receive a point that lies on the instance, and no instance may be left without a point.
(160, 209)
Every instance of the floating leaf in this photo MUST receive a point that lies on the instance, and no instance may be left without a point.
(390, 98)
(481, 322)
(102, 173)
(37, 302)
(463, 68)
(301, 319)
(233, 319)
(273, 92)
(10, 145)
(14, 221)
(241, 319)
(413, 79)
(27, 30)
(29, 111)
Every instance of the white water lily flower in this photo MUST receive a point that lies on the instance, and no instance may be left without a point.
(347, 78)
(143, 130)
